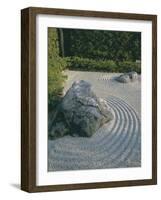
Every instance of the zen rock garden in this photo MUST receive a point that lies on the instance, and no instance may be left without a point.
(80, 113)
(89, 132)
(94, 99)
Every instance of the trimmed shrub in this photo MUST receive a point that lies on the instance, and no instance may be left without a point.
(56, 65)
(128, 66)
(86, 64)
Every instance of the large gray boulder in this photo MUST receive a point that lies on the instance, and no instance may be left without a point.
(127, 77)
(80, 113)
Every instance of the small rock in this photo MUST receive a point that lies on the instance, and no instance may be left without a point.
(127, 77)
(133, 76)
(123, 78)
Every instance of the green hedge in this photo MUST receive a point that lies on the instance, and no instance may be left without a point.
(56, 65)
(102, 44)
(86, 64)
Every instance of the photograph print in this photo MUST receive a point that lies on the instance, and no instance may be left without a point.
(94, 99)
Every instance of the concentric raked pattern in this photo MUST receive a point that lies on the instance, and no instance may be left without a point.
(115, 145)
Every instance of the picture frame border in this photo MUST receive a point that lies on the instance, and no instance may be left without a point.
(28, 98)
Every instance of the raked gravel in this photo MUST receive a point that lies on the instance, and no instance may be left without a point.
(115, 145)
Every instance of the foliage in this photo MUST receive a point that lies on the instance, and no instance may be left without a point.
(56, 65)
(104, 45)
(86, 64)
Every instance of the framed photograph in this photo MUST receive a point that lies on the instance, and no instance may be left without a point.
(89, 99)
